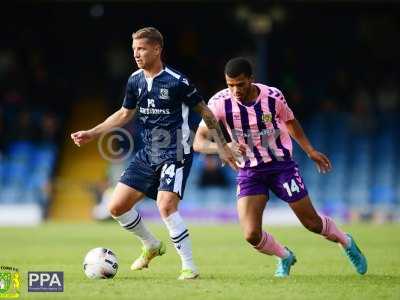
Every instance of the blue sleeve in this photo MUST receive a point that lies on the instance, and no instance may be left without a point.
(130, 99)
(190, 95)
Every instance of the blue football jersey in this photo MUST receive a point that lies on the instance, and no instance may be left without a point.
(164, 110)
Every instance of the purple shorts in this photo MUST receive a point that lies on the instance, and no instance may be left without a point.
(281, 177)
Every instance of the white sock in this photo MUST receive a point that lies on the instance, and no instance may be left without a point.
(132, 221)
(180, 237)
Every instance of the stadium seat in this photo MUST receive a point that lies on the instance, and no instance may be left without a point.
(25, 172)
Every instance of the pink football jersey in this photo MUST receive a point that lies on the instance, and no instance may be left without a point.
(260, 127)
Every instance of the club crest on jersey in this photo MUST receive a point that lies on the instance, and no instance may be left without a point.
(236, 117)
(266, 118)
(164, 94)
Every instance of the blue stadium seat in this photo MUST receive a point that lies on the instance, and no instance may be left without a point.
(23, 175)
(20, 150)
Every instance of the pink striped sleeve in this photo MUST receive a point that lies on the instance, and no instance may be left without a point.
(282, 108)
(215, 104)
(216, 108)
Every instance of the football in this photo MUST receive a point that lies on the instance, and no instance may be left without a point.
(100, 263)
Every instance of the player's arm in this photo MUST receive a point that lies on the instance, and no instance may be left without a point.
(297, 133)
(223, 149)
(117, 119)
(203, 143)
(211, 122)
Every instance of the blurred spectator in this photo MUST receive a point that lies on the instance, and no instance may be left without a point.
(213, 183)
(212, 174)
(49, 128)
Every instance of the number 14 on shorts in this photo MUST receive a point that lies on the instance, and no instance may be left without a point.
(293, 186)
(168, 170)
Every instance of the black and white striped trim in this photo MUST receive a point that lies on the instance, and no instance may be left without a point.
(180, 237)
(134, 223)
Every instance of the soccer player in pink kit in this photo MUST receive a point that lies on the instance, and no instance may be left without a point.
(261, 124)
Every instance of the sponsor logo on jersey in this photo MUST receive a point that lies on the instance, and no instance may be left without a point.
(154, 111)
(150, 103)
(256, 134)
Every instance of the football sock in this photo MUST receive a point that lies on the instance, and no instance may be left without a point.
(268, 245)
(180, 237)
(332, 233)
(132, 221)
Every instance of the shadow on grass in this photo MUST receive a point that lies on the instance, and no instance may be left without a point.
(164, 277)
(299, 278)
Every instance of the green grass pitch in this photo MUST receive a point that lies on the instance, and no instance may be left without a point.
(229, 268)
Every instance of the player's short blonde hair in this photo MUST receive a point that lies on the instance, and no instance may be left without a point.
(150, 33)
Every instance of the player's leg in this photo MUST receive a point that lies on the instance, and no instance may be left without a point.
(123, 199)
(325, 226)
(167, 203)
(122, 209)
(289, 186)
(173, 177)
(319, 224)
(252, 196)
(137, 180)
(250, 210)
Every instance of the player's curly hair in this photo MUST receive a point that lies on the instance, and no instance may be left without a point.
(237, 66)
(150, 33)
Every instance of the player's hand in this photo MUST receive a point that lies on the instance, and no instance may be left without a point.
(228, 157)
(321, 160)
(82, 137)
(238, 150)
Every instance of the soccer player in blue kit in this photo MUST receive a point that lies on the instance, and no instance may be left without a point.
(164, 101)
